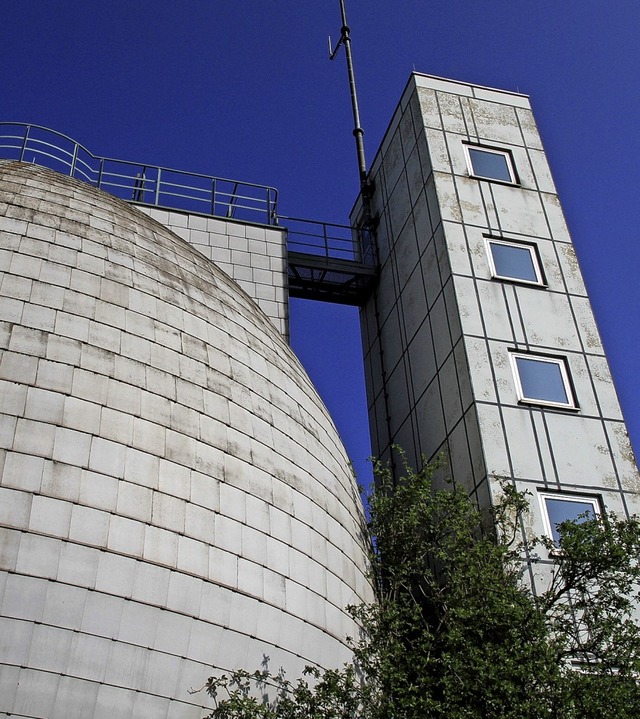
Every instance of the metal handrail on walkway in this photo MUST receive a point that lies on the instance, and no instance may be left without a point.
(328, 240)
(330, 262)
(138, 182)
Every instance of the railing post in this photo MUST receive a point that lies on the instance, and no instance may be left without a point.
(23, 149)
(100, 171)
(213, 196)
(73, 160)
(326, 240)
(272, 206)
(233, 199)
(158, 180)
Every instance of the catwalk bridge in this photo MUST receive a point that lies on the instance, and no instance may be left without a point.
(326, 261)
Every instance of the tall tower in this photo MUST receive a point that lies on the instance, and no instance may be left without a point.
(479, 340)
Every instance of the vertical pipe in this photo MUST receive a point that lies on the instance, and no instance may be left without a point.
(358, 132)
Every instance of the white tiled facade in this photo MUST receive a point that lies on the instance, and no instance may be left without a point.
(253, 255)
(174, 498)
(441, 331)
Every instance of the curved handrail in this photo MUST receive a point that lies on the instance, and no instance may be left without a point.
(139, 182)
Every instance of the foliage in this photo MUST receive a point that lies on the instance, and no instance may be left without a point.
(590, 609)
(331, 694)
(457, 633)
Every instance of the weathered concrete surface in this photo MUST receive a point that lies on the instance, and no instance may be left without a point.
(173, 496)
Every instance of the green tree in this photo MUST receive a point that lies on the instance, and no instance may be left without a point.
(457, 633)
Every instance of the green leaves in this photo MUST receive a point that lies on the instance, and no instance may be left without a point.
(331, 694)
(456, 633)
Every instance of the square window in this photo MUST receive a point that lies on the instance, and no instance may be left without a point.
(543, 380)
(558, 508)
(515, 261)
(491, 164)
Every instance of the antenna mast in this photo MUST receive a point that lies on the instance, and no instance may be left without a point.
(358, 132)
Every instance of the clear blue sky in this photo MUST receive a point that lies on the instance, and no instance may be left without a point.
(244, 89)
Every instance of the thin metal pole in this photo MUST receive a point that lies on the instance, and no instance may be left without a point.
(358, 132)
(25, 140)
(74, 159)
(158, 181)
(100, 171)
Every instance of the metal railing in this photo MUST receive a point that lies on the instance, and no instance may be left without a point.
(326, 261)
(329, 240)
(138, 182)
(330, 262)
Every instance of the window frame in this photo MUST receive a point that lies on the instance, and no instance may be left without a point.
(559, 361)
(593, 500)
(536, 262)
(507, 154)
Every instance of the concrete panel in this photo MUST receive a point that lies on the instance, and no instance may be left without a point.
(493, 441)
(581, 450)
(467, 298)
(480, 367)
(568, 265)
(548, 320)
(523, 443)
(496, 121)
(520, 211)
(430, 419)
(625, 461)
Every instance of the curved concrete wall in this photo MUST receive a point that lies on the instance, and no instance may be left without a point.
(174, 495)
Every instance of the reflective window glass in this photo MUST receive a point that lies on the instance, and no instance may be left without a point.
(490, 164)
(543, 379)
(562, 509)
(516, 262)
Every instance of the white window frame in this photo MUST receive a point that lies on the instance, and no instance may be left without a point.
(560, 362)
(496, 151)
(590, 499)
(535, 261)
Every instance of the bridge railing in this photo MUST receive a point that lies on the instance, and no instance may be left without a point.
(329, 262)
(329, 241)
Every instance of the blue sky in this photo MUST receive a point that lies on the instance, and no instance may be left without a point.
(244, 89)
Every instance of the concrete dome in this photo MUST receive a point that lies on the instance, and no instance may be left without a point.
(174, 495)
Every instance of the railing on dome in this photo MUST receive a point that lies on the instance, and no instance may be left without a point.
(137, 182)
(326, 261)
